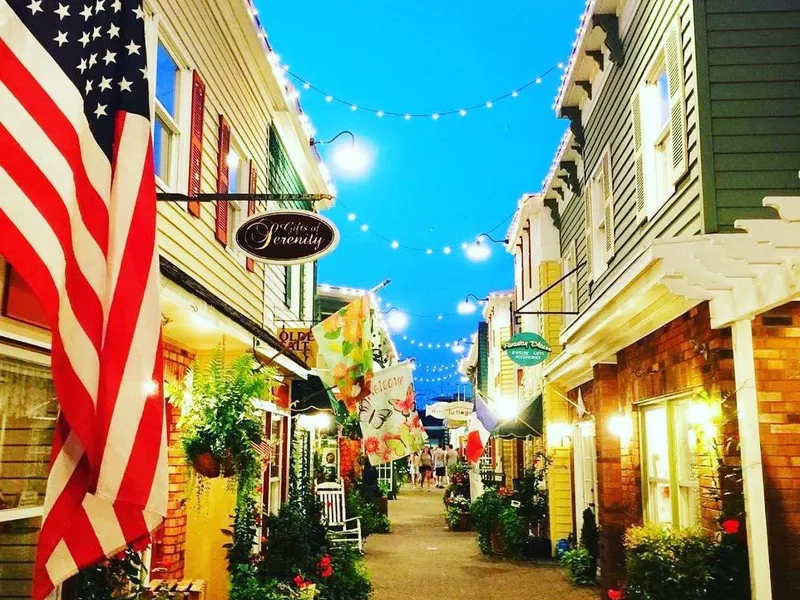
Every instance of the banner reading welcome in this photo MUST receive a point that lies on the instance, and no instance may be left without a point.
(390, 423)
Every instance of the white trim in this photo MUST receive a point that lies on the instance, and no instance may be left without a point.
(17, 514)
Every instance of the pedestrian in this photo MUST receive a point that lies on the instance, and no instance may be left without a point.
(439, 465)
(451, 460)
(425, 467)
(413, 469)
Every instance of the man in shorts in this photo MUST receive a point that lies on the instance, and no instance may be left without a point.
(451, 460)
(439, 457)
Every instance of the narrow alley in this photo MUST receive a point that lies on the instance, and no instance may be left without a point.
(421, 559)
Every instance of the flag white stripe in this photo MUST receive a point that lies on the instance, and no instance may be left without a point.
(60, 564)
(62, 469)
(66, 96)
(38, 146)
(104, 523)
(37, 231)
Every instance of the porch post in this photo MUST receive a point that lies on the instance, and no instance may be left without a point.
(752, 471)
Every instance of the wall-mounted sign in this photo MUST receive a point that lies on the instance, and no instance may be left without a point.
(527, 349)
(301, 343)
(287, 237)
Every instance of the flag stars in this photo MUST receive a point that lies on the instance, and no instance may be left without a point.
(61, 38)
(105, 84)
(100, 111)
(125, 85)
(83, 66)
(110, 57)
(116, 5)
(85, 39)
(93, 59)
(96, 33)
(88, 87)
(35, 6)
(144, 73)
(62, 11)
(132, 48)
(99, 6)
(113, 31)
(138, 12)
(86, 12)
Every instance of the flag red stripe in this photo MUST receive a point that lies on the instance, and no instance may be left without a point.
(24, 86)
(41, 193)
(81, 539)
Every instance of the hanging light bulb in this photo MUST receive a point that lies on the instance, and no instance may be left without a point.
(397, 321)
(447, 250)
(478, 251)
(364, 227)
(489, 104)
(465, 307)
(514, 94)
(306, 86)
(395, 245)
(428, 251)
(351, 217)
(462, 112)
(353, 107)
(379, 113)
(328, 98)
(435, 116)
(407, 117)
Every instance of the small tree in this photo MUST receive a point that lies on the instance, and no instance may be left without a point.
(590, 540)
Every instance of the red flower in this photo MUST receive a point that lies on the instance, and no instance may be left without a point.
(301, 582)
(372, 445)
(325, 561)
(326, 572)
(616, 594)
(731, 526)
(263, 540)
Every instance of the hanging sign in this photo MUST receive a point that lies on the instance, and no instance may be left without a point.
(527, 349)
(301, 343)
(287, 237)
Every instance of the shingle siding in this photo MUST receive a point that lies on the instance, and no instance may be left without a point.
(752, 55)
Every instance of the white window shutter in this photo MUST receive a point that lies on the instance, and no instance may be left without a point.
(608, 206)
(587, 208)
(673, 52)
(638, 155)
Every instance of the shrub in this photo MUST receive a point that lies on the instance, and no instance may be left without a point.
(590, 540)
(245, 585)
(293, 543)
(578, 563)
(358, 505)
(665, 563)
(490, 514)
(348, 580)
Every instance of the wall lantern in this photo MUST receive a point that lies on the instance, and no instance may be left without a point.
(621, 426)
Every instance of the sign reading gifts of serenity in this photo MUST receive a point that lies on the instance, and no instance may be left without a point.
(287, 237)
(527, 349)
(390, 423)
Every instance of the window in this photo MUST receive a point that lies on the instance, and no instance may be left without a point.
(659, 127)
(669, 464)
(570, 283)
(237, 184)
(166, 131)
(287, 286)
(599, 218)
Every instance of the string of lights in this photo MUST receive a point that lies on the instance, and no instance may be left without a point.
(436, 368)
(437, 379)
(462, 111)
(457, 346)
(395, 244)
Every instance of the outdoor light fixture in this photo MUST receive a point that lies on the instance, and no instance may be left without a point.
(506, 408)
(352, 159)
(479, 250)
(557, 433)
(322, 421)
(458, 348)
(621, 425)
(397, 320)
(465, 307)
(199, 320)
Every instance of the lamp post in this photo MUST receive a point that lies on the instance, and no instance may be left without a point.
(351, 158)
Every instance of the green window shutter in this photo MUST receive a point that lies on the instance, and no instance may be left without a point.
(287, 285)
(673, 53)
(587, 220)
(302, 309)
(638, 155)
(608, 206)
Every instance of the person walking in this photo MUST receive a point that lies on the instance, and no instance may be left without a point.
(413, 469)
(439, 465)
(451, 460)
(425, 467)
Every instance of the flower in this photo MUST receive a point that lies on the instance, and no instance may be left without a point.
(325, 561)
(616, 594)
(372, 445)
(301, 582)
(326, 572)
(731, 526)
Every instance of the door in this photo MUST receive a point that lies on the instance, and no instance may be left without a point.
(585, 472)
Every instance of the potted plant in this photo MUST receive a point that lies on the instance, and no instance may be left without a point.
(382, 498)
(220, 423)
(456, 513)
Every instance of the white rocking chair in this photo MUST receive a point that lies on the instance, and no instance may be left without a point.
(341, 530)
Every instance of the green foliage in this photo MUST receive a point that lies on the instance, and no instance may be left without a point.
(532, 497)
(665, 563)
(455, 506)
(294, 542)
(590, 541)
(578, 564)
(349, 580)
(730, 569)
(383, 489)
(246, 585)
(119, 577)
(358, 504)
(491, 513)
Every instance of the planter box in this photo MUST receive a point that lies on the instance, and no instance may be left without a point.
(463, 523)
(383, 505)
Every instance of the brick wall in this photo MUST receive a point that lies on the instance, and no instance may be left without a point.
(170, 541)
(776, 342)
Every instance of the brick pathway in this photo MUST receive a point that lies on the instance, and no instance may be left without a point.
(420, 559)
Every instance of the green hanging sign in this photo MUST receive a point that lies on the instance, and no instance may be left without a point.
(527, 349)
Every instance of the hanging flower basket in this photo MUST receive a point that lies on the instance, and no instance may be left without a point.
(206, 464)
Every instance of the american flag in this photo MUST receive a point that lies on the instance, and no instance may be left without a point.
(78, 221)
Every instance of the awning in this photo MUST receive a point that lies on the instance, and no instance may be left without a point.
(528, 422)
(311, 395)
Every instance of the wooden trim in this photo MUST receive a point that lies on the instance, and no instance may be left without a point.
(250, 264)
(223, 148)
(196, 142)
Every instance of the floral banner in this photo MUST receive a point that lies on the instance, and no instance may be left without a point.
(344, 354)
(389, 420)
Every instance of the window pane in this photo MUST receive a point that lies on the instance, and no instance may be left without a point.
(17, 553)
(162, 142)
(234, 162)
(166, 79)
(657, 443)
(686, 464)
(663, 98)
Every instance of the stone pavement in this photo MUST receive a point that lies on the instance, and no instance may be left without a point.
(421, 559)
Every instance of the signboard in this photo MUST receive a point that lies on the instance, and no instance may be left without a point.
(527, 349)
(301, 343)
(287, 237)
(450, 411)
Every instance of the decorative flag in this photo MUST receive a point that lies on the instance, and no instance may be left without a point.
(390, 424)
(581, 407)
(344, 354)
(78, 222)
(480, 425)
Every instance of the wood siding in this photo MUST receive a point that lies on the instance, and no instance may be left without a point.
(749, 57)
(610, 126)
(210, 37)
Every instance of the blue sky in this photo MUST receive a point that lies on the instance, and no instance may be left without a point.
(432, 183)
